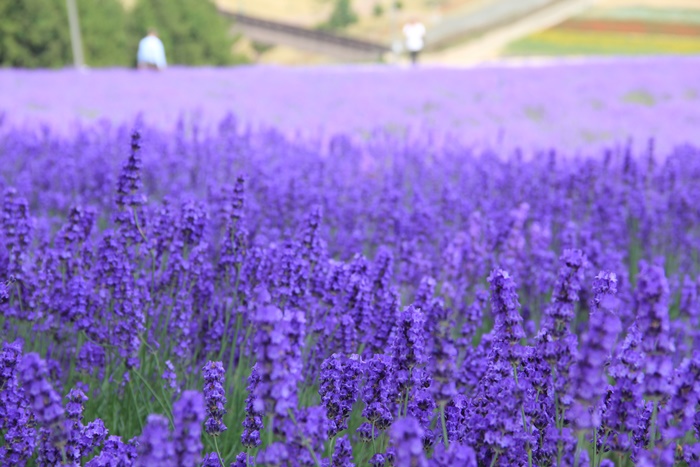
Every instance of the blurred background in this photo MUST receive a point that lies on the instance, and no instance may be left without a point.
(105, 33)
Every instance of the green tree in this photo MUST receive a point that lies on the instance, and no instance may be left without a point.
(34, 33)
(193, 32)
(341, 17)
(103, 24)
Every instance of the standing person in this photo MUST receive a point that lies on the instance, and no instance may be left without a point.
(414, 32)
(151, 54)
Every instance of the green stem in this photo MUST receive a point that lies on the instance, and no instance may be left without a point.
(444, 427)
(162, 404)
(234, 343)
(405, 403)
(218, 453)
(227, 318)
(136, 405)
(374, 444)
(652, 435)
(578, 448)
(595, 447)
(19, 298)
(270, 432)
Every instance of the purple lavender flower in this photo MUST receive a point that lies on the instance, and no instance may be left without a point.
(233, 202)
(43, 399)
(556, 344)
(81, 439)
(91, 359)
(444, 356)
(456, 454)
(508, 322)
(273, 455)
(689, 304)
(193, 218)
(243, 460)
(17, 229)
(677, 415)
(188, 413)
(422, 404)
(560, 314)
(623, 402)
(386, 459)
(155, 447)
(254, 412)
(9, 360)
(338, 389)
(92, 436)
(4, 292)
(496, 418)
(376, 393)
(129, 200)
(357, 305)
(342, 455)
(77, 228)
(170, 378)
(15, 415)
(304, 433)
(211, 460)
(115, 453)
(312, 246)
(653, 323)
(407, 349)
(388, 306)
(473, 317)
(406, 436)
(455, 418)
(214, 397)
(381, 271)
(588, 378)
(277, 344)
(513, 252)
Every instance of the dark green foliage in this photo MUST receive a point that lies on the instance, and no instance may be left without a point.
(341, 17)
(103, 26)
(34, 33)
(260, 48)
(192, 31)
(378, 10)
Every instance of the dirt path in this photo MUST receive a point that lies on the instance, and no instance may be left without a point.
(490, 45)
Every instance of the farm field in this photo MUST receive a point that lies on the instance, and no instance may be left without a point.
(351, 266)
(619, 29)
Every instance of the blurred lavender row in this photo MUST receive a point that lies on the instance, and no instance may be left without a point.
(577, 105)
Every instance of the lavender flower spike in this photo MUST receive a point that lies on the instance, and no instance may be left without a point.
(215, 397)
(189, 415)
(155, 447)
(406, 436)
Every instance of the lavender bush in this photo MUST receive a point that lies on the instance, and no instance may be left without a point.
(241, 297)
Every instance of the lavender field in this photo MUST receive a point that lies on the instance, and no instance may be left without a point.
(351, 267)
(579, 105)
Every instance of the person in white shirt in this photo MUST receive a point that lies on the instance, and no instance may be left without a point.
(414, 32)
(151, 54)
